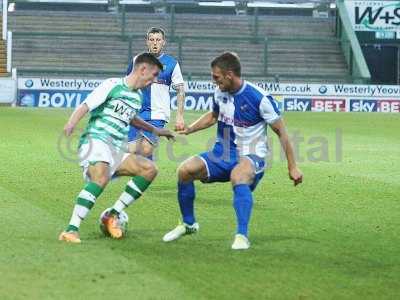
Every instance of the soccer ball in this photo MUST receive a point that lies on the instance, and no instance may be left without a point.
(122, 220)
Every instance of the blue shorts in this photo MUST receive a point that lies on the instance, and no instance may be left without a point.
(136, 134)
(219, 170)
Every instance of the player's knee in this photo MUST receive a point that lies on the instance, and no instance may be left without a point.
(184, 172)
(146, 149)
(235, 178)
(149, 170)
(100, 179)
(238, 177)
(132, 147)
(99, 175)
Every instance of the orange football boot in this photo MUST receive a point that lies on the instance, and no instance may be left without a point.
(110, 221)
(70, 237)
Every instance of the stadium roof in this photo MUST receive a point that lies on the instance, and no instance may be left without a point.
(206, 3)
(232, 3)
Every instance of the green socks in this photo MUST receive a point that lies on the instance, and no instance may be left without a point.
(85, 201)
(133, 190)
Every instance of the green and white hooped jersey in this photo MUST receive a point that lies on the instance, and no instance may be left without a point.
(112, 106)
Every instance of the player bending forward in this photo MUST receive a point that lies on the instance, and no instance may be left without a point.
(242, 111)
(102, 147)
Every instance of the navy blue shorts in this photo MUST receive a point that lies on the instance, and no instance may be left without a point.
(136, 134)
(219, 170)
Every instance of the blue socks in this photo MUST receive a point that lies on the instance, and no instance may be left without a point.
(243, 203)
(186, 194)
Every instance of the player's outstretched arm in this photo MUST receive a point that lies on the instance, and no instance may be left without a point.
(294, 172)
(74, 119)
(93, 100)
(142, 124)
(180, 100)
(205, 121)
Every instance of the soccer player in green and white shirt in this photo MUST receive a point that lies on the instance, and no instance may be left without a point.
(103, 148)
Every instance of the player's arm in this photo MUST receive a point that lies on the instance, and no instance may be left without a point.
(270, 113)
(74, 119)
(180, 102)
(294, 172)
(92, 101)
(141, 124)
(205, 121)
(179, 86)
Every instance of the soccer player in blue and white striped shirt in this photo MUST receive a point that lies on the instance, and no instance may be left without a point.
(242, 111)
(156, 99)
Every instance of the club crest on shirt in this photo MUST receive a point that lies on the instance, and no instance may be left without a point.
(244, 107)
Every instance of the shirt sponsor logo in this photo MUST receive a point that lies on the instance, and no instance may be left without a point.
(122, 111)
(226, 119)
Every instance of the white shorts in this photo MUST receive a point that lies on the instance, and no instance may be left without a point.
(97, 150)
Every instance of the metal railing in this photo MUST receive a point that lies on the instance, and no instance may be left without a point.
(9, 52)
(350, 45)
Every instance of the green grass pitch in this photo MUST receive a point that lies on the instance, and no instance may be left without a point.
(334, 237)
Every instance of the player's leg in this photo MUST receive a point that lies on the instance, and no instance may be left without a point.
(134, 139)
(146, 148)
(192, 169)
(133, 146)
(143, 142)
(244, 178)
(143, 172)
(96, 159)
(98, 175)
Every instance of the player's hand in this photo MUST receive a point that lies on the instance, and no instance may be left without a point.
(179, 124)
(166, 132)
(184, 131)
(296, 175)
(68, 129)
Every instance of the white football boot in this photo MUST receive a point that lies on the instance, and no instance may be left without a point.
(241, 242)
(180, 230)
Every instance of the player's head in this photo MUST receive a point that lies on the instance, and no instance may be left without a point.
(146, 69)
(226, 71)
(155, 40)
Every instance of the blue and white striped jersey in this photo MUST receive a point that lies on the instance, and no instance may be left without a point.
(156, 99)
(242, 118)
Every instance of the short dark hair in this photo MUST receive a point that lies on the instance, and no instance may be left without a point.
(155, 30)
(148, 58)
(228, 61)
